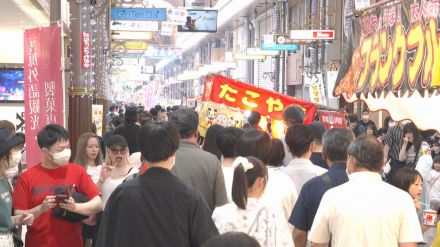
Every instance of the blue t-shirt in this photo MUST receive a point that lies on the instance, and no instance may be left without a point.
(311, 194)
(5, 206)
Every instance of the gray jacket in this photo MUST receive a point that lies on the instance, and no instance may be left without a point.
(203, 171)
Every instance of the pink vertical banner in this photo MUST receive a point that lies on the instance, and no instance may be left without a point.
(44, 98)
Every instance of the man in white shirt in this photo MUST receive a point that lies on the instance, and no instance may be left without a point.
(292, 115)
(299, 139)
(366, 211)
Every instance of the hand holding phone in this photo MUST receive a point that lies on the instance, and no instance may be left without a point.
(60, 199)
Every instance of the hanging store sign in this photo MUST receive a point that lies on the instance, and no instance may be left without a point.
(177, 16)
(258, 51)
(166, 29)
(138, 14)
(85, 50)
(242, 56)
(44, 101)
(280, 47)
(233, 93)
(390, 61)
(140, 26)
(332, 119)
(312, 34)
(130, 45)
(360, 4)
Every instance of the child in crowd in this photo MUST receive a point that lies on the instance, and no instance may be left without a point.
(411, 181)
(247, 213)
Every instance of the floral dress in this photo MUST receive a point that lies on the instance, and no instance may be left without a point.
(266, 224)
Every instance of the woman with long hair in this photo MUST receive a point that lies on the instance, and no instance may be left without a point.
(210, 141)
(412, 141)
(89, 155)
(247, 213)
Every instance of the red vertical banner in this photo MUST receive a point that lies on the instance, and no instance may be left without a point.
(85, 50)
(44, 98)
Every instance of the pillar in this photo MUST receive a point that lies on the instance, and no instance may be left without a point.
(80, 90)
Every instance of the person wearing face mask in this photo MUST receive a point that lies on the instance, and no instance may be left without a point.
(35, 192)
(365, 122)
(156, 208)
(10, 156)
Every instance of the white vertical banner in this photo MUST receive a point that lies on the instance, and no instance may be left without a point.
(316, 90)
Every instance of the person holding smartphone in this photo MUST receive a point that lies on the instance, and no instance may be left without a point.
(36, 190)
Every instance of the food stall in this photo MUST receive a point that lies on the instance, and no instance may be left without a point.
(225, 100)
(391, 61)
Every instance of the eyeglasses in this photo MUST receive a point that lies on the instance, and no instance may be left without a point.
(115, 151)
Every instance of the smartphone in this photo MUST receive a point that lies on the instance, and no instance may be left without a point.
(60, 198)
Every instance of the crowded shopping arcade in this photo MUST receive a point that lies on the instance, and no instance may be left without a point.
(219, 123)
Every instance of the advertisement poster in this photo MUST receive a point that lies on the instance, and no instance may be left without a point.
(233, 93)
(44, 98)
(213, 113)
(390, 61)
(332, 119)
(97, 115)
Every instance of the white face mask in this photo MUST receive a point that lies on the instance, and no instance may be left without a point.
(391, 124)
(11, 172)
(62, 158)
(14, 160)
(365, 117)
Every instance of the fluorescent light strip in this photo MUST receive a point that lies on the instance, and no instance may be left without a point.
(32, 11)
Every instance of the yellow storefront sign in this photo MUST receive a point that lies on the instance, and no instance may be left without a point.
(131, 45)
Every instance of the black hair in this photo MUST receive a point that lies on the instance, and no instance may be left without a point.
(365, 110)
(367, 152)
(154, 112)
(353, 118)
(373, 127)
(232, 239)
(131, 115)
(436, 160)
(51, 134)
(227, 139)
(417, 141)
(243, 180)
(254, 118)
(404, 177)
(158, 141)
(186, 121)
(112, 108)
(299, 137)
(210, 141)
(277, 153)
(335, 143)
(386, 122)
(145, 117)
(255, 143)
(293, 115)
(116, 121)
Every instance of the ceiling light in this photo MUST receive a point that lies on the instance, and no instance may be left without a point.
(34, 13)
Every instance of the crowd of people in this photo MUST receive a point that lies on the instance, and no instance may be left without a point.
(150, 180)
